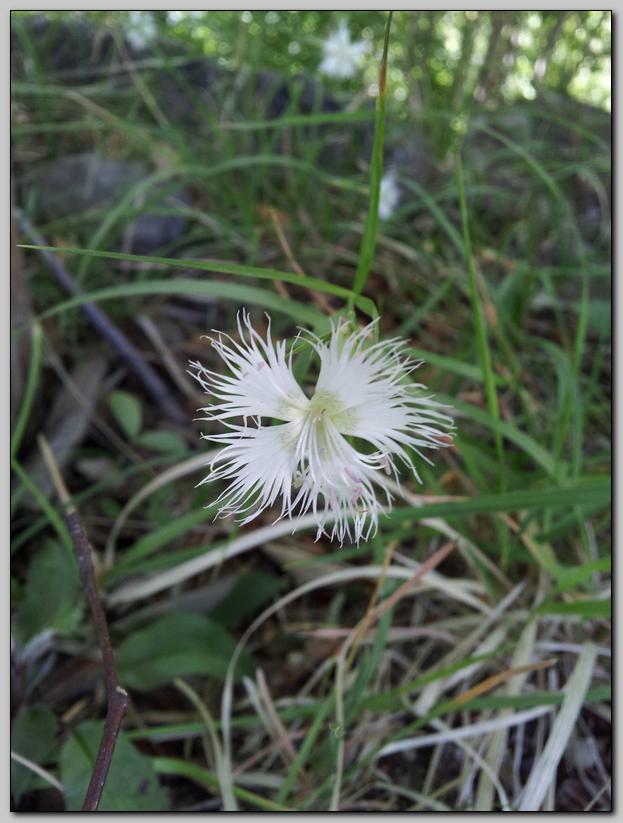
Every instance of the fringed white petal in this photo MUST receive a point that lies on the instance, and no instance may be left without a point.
(377, 401)
(261, 382)
(259, 465)
(338, 480)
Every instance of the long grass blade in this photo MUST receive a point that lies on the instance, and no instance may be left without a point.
(368, 241)
(545, 767)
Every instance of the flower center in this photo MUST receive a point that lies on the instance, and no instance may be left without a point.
(325, 404)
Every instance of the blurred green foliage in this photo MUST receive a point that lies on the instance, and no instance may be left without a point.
(437, 58)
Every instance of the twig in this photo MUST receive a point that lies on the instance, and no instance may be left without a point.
(318, 298)
(170, 363)
(280, 733)
(364, 623)
(128, 351)
(117, 697)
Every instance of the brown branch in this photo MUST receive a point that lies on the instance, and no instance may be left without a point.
(98, 318)
(117, 697)
(317, 296)
(375, 612)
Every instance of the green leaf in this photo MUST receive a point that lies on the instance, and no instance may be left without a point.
(368, 241)
(529, 701)
(53, 595)
(215, 288)
(451, 364)
(51, 514)
(235, 292)
(131, 785)
(33, 735)
(127, 412)
(172, 529)
(177, 645)
(480, 325)
(572, 576)
(162, 441)
(586, 494)
(30, 390)
(210, 781)
(248, 593)
(526, 443)
(597, 609)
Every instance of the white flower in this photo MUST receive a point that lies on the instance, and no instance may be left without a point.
(341, 58)
(141, 29)
(389, 195)
(331, 453)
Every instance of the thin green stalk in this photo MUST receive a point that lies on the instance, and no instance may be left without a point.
(305, 750)
(582, 321)
(479, 320)
(484, 352)
(184, 768)
(368, 241)
(29, 392)
(53, 516)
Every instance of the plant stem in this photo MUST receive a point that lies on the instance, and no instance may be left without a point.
(117, 697)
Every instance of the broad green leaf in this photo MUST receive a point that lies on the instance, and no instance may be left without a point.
(33, 736)
(249, 592)
(161, 441)
(131, 785)
(177, 645)
(127, 411)
(53, 594)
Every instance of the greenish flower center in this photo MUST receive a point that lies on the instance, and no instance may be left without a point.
(327, 404)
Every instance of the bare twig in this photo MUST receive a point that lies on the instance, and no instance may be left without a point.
(319, 298)
(364, 623)
(128, 351)
(178, 375)
(280, 734)
(117, 697)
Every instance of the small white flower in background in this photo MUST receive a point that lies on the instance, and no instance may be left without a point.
(341, 58)
(309, 460)
(141, 29)
(389, 195)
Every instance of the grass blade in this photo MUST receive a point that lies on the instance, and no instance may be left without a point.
(479, 319)
(545, 767)
(29, 392)
(238, 270)
(241, 295)
(368, 242)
